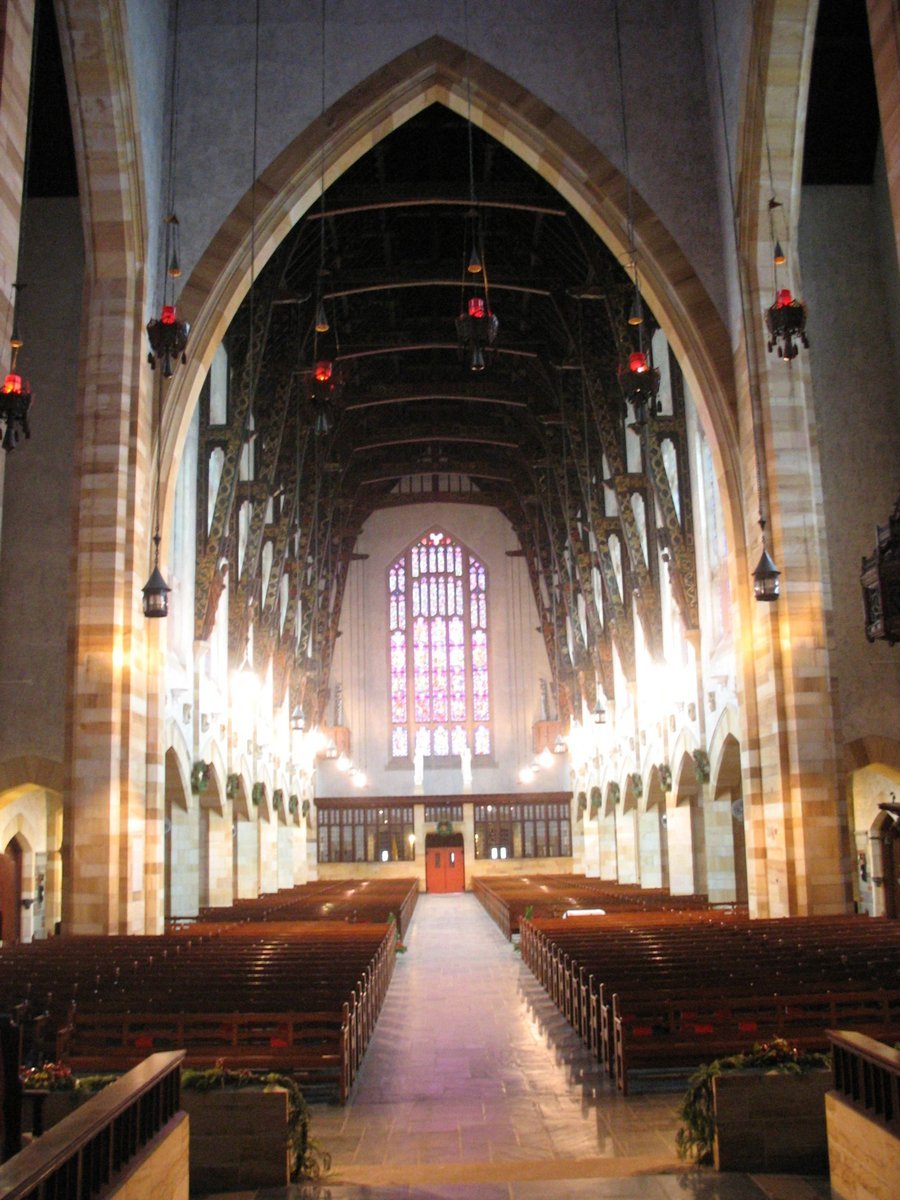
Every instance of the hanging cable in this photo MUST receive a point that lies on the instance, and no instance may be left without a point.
(765, 576)
(636, 315)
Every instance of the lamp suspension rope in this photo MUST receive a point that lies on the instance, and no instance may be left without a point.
(636, 314)
(322, 324)
(476, 325)
(786, 317)
(778, 255)
(167, 334)
(766, 574)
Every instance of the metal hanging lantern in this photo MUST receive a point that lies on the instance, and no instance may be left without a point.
(786, 322)
(168, 340)
(15, 402)
(640, 387)
(476, 330)
(156, 590)
(880, 581)
(765, 578)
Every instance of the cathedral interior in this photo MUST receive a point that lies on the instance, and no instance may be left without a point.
(448, 420)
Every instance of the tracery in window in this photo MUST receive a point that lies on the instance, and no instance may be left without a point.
(439, 650)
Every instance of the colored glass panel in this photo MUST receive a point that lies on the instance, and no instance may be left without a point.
(440, 590)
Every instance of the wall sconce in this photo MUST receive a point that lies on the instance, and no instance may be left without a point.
(204, 723)
(711, 701)
(692, 711)
(187, 711)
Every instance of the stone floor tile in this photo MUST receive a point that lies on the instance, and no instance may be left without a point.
(474, 1087)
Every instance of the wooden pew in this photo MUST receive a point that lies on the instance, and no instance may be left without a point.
(659, 1034)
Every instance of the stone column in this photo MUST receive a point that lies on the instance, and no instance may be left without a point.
(797, 858)
(246, 860)
(108, 787)
(884, 31)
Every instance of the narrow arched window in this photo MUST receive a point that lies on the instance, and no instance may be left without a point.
(440, 689)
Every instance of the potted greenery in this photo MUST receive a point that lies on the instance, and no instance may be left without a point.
(52, 1092)
(254, 1138)
(249, 1129)
(763, 1110)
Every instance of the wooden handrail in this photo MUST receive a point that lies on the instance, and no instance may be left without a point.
(867, 1076)
(83, 1153)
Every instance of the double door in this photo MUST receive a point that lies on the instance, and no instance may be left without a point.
(445, 869)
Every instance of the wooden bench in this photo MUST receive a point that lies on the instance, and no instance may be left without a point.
(314, 1048)
(657, 1034)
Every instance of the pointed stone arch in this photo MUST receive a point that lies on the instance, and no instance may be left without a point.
(33, 770)
(653, 847)
(437, 70)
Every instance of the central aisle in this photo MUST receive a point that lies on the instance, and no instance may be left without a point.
(475, 1088)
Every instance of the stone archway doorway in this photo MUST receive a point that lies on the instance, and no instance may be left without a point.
(10, 894)
(890, 866)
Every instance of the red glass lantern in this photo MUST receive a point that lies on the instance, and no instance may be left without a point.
(15, 402)
(786, 321)
(323, 370)
(476, 329)
(168, 339)
(640, 385)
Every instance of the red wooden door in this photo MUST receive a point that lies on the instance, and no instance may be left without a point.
(455, 870)
(10, 893)
(445, 869)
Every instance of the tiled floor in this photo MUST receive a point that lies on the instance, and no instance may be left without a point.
(475, 1088)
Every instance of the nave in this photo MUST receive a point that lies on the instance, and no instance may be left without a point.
(475, 1088)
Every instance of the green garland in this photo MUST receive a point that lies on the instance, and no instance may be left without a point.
(308, 1159)
(694, 1140)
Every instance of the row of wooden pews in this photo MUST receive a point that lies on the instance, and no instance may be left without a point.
(322, 900)
(665, 991)
(293, 995)
(508, 898)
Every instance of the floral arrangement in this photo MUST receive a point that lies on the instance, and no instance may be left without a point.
(51, 1077)
(308, 1160)
(57, 1077)
(695, 1138)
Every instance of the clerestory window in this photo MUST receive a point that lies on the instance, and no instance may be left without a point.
(440, 691)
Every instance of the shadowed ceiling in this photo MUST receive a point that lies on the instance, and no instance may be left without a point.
(541, 432)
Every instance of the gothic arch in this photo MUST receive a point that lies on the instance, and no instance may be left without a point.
(32, 770)
(438, 70)
(178, 770)
(872, 751)
(725, 738)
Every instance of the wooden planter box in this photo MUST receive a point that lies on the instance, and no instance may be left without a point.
(770, 1122)
(238, 1138)
(53, 1107)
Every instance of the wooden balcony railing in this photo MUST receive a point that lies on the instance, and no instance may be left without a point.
(82, 1155)
(867, 1075)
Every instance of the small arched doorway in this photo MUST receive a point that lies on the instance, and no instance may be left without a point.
(445, 862)
(889, 836)
(10, 894)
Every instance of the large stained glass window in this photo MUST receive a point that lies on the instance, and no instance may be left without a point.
(440, 693)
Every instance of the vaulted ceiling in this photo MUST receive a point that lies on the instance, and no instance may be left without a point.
(541, 433)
